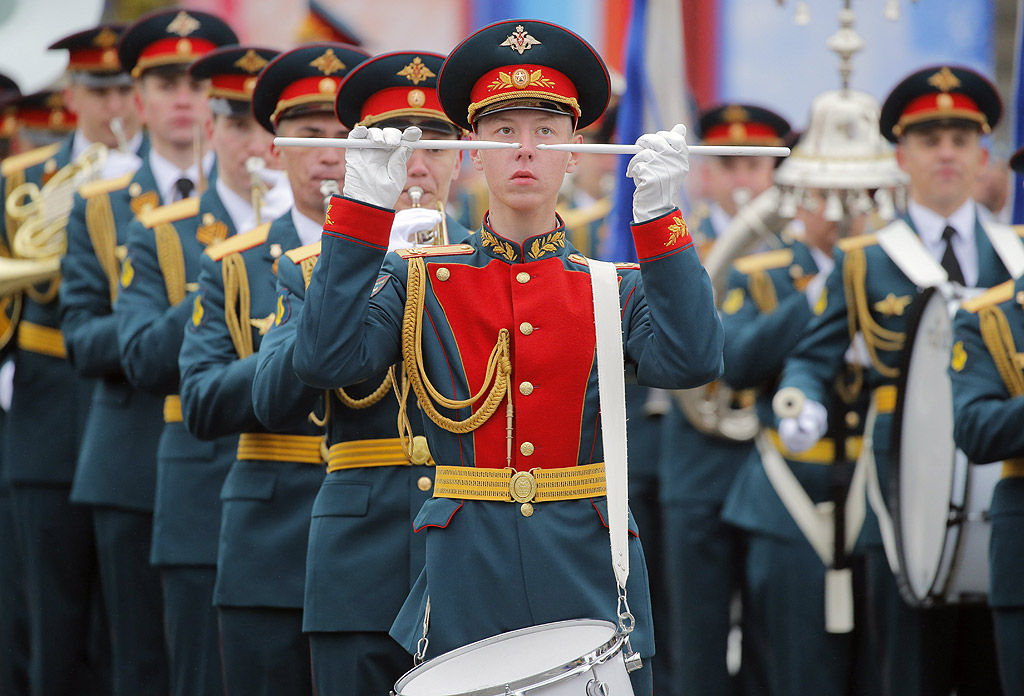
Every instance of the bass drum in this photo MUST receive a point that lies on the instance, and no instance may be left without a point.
(582, 657)
(939, 499)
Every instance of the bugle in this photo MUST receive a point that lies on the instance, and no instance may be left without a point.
(438, 235)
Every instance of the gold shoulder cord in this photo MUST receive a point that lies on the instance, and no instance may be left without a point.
(99, 221)
(171, 258)
(858, 313)
(499, 368)
(236, 303)
(995, 331)
(762, 292)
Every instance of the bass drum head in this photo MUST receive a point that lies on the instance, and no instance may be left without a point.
(923, 451)
(522, 659)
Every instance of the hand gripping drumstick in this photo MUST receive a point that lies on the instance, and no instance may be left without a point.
(788, 402)
(721, 150)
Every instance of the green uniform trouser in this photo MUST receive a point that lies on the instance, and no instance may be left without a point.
(13, 609)
(1009, 624)
(193, 644)
(265, 652)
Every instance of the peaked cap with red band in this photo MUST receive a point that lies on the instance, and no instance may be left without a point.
(171, 37)
(394, 88)
(523, 63)
(92, 55)
(943, 93)
(303, 80)
(44, 111)
(232, 72)
(742, 124)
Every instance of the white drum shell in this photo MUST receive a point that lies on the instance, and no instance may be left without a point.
(556, 659)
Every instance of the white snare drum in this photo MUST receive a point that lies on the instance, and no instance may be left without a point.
(940, 500)
(583, 657)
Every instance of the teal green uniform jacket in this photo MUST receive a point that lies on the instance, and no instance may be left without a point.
(190, 472)
(266, 503)
(540, 292)
(989, 426)
(819, 355)
(362, 518)
(117, 461)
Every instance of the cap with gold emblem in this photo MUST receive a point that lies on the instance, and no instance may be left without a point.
(523, 64)
(171, 39)
(92, 56)
(742, 124)
(44, 111)
(232, 72)
(302, 81)
(322, 25)
(941, 94)
(394, 89)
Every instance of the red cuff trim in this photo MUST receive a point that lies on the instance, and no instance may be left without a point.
(358, 221)
(661, 236)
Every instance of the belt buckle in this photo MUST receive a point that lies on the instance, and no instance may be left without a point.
(522, 487)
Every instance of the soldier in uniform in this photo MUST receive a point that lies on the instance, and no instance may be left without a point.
(376, 481)
(518, 280)
(988, 395)
(269, 490)
(41, 446)
(703, 555)
(116, 474)
(158, 282)
(936, 117)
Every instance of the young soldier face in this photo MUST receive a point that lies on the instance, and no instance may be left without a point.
(97, 106)
(527, 178)
(235, 139)
(943, 163)
(308, 166)
(726, 175)
(172, 104)
(431, 170)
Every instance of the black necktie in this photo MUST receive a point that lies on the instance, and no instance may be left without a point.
(949, 261)
(183, 187)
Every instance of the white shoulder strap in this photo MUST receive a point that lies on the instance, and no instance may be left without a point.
(612, 390)
(1008, 246)
(907, 251)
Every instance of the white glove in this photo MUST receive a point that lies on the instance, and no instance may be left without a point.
(658, 171)
(798, 434)
(120, 163)
(409, 223)
(376, 175)
(7, 385)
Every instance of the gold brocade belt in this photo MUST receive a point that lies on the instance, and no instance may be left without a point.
(822, 452)
(172, 409)
(885, 398)
(511, 486)
(360, 454)
(303, 449)
(44, 340)
(1013, 467)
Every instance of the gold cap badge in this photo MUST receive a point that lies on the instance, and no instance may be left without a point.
(520, 40)
(183, 24)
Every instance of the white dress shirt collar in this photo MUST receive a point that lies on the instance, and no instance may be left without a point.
(309, 230)
(239, 209)
(929, 226)
(166, 173)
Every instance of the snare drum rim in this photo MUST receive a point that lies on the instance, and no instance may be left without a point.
(581, 664)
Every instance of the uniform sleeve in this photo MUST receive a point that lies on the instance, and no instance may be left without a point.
(756, 343)
(671, 328)
(279, 399)
(818, 355)
(87, 319)
(986, 419)
(216, 386)
(149, 329)
(344, 336)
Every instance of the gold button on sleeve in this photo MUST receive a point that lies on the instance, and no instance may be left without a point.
(525, 388)
(523, 277)
(526, 448)
(424, 483)
(443, 273)
(526, 328)
(852, 419)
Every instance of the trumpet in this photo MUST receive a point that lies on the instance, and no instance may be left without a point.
(117, 128)
(437, 236)
(257, 186)
(328, 188)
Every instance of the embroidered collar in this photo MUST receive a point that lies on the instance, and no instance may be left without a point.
(535, 248)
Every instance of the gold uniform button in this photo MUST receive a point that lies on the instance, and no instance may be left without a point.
(424, 483)
(526, 448)
(523, 277)
(852, 419)
(526, 328)
(443, 273)
(525, 388)
(526, 509)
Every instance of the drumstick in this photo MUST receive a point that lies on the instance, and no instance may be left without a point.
(788, 402)
(596, 148)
